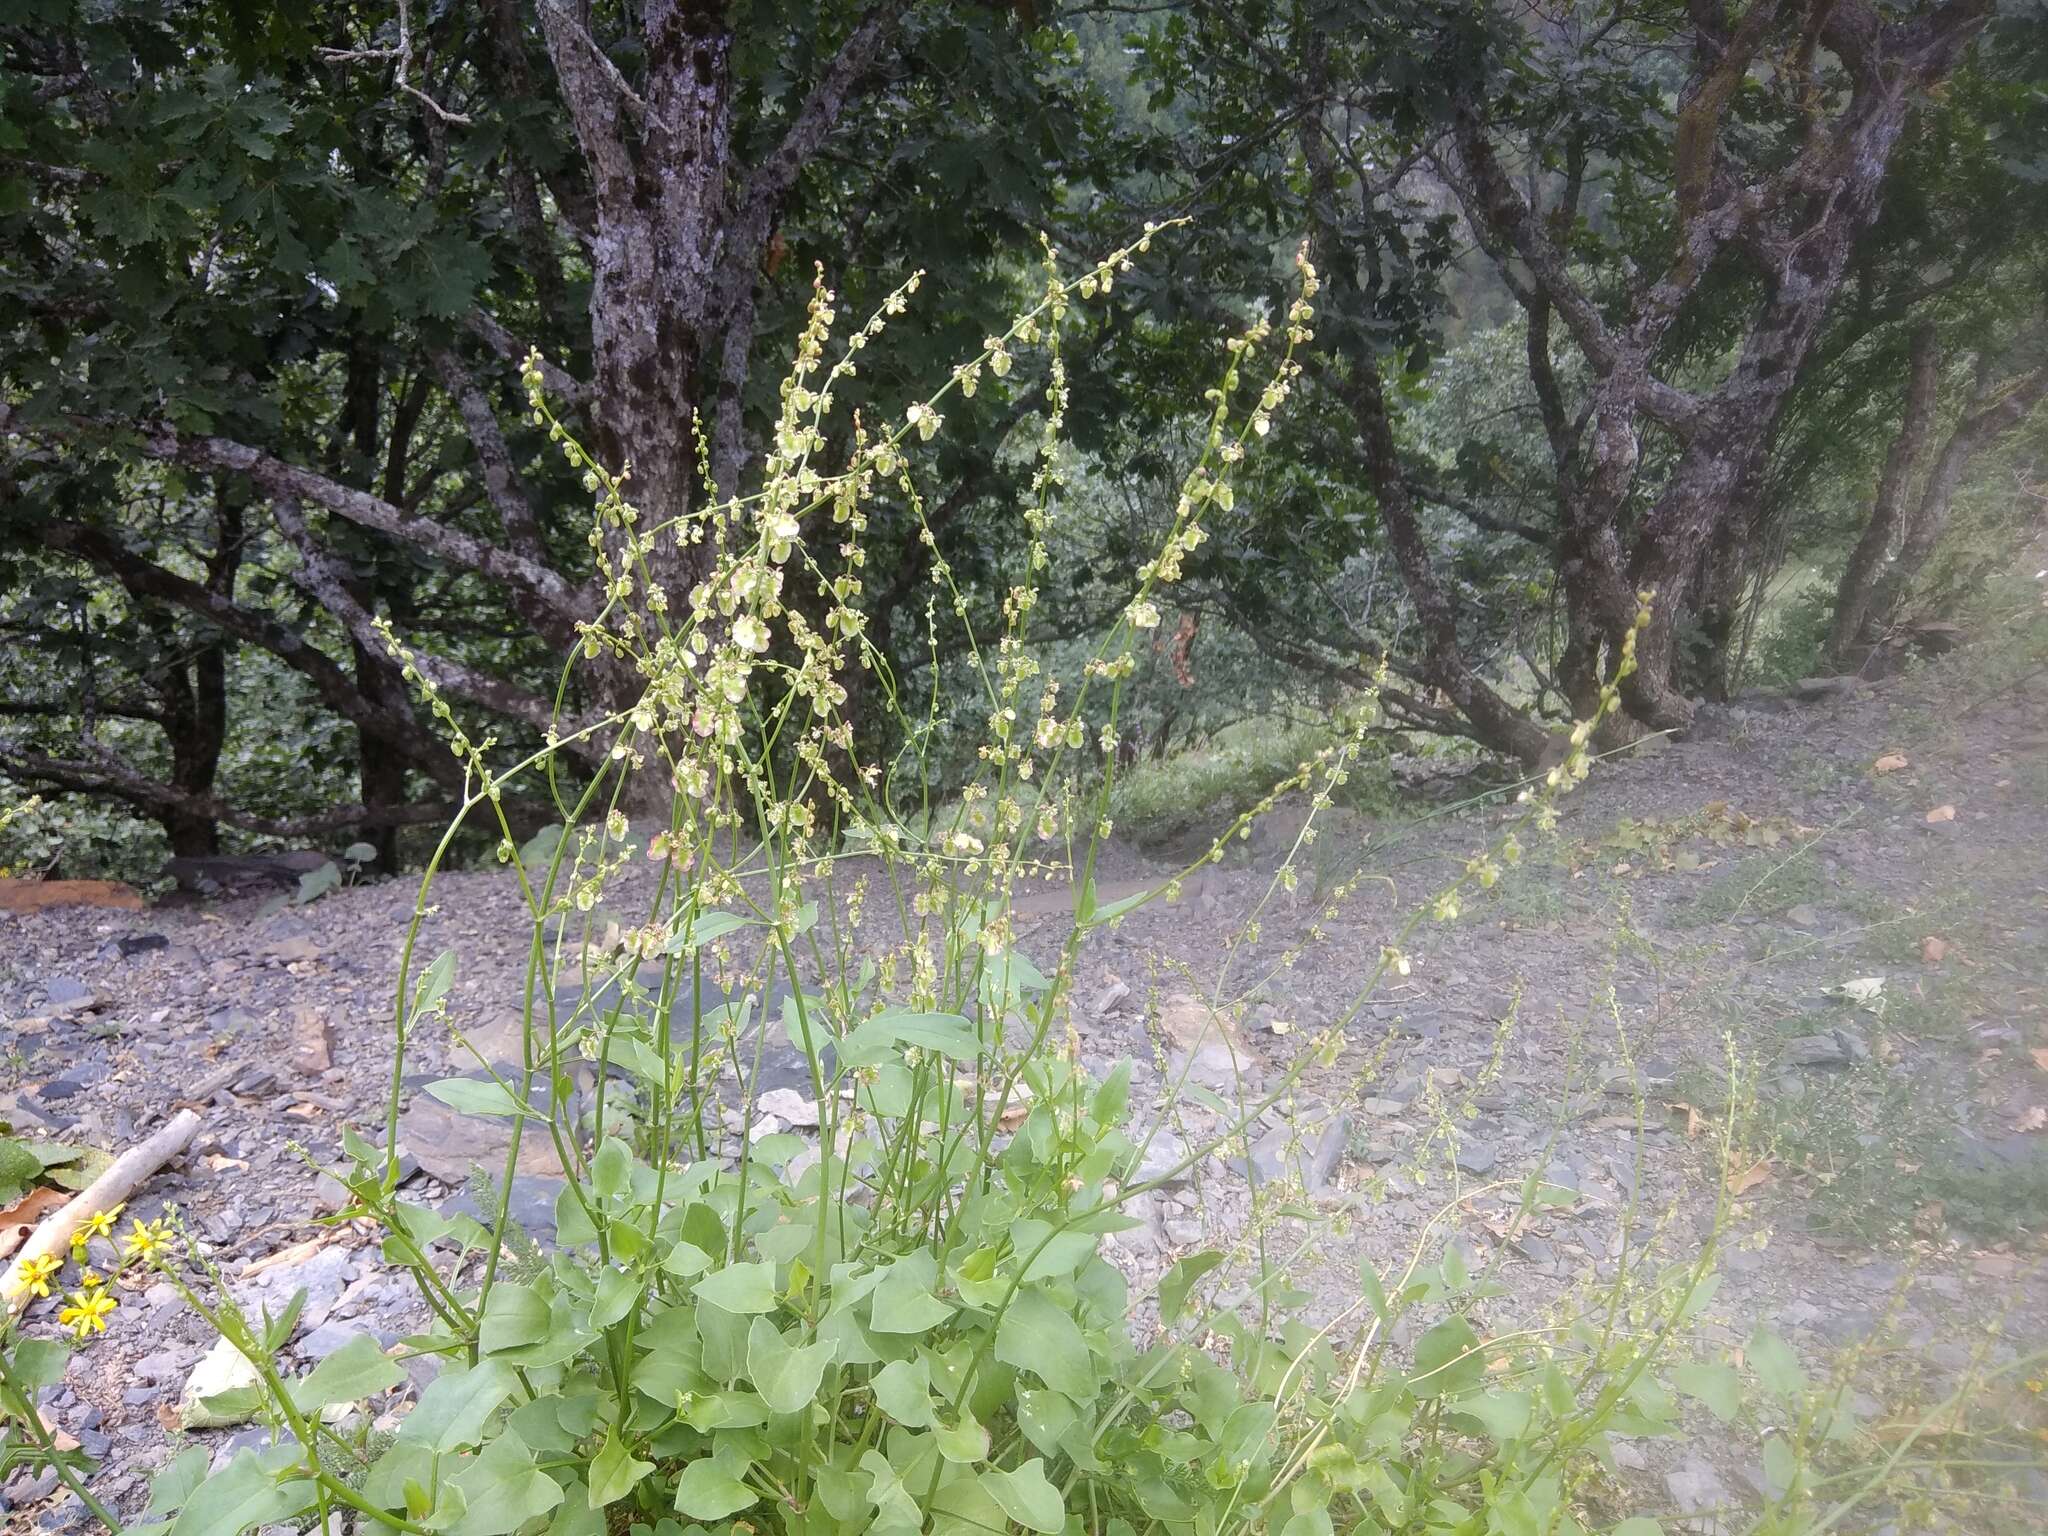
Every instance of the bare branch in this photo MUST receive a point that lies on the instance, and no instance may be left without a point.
(336, 689)
(107, 775)
(596, 94)
(560, 384)
(279, 479)
(323, 579)
(773, 178)
(401, 60)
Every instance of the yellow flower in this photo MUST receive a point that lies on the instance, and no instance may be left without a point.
(101, 1223)
(146, 1240)
(36, 1274)
(92, 1279)
(87, 1312)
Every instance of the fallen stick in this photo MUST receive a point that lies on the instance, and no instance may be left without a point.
(102, 1194)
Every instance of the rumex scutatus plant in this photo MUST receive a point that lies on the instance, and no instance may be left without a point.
(904, 1323)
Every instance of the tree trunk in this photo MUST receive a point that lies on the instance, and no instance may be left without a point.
(1717, 600)
(1981, 427)
(195, 718)
(1858, 587)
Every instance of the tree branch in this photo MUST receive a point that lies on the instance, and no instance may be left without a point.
(281, 480)
(322, 578)
(560, 384)
(596, 94)
(106, 775)
(335, 688)
(761, 200)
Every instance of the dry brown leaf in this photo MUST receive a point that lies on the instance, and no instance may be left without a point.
(1692, 1118)
(1756, 1173)
(1942, 813)
(1933, 950)
(20, 1218)
(220, 1162)
(2040, 1055)
(1891, 762)
(2034, 1118)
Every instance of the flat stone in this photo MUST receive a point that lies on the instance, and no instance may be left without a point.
(451, 1146)
(62, 990)
(1696, 1489)
(312, 1042)
(319, 1343)
(132, 944)
(322, 1275)
(1836, 1047)
(1477, 1157)
(791, 1107)
(1311, 1156)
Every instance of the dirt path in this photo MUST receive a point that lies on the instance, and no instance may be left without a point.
(1577, 1022)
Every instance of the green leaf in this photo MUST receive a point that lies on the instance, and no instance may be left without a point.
(741, 1287)
(611, 1171)
(39, 1363)
(904, 1303)
(787, 1377)
(706, 1491)
(964, 1443)
(452, 1411)
(353, 1372)
(1038, 1336)
(514, 1315)
(478, 1096)
(315, 883)
(502, 1490)
(19, 1168)
(1639, 1525)
(704, 928)
(434, 984)
(947, 1033)
(1777, 1367)
(614, 1471)
(903, 1390)
(1375, 1293)
(1715, 1385)
(245, 1492)
(171, 1487)
(1045, 1417)
(685, 1259)
(1336, 1465)
(1178, 1281)
(1505, 1414)
(1027, 1498)
(1448, 1360)
(618, 1292)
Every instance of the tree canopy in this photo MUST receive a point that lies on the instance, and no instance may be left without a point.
(1617, 299)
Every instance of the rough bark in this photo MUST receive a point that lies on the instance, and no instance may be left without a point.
(1858, 586)
(679, 231)
(1495, 722)
(1798, 224)
(1981, 427)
